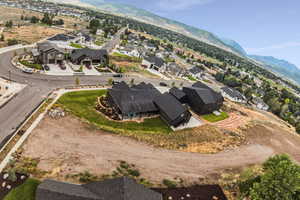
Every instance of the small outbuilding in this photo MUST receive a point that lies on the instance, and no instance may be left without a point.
(171, 110)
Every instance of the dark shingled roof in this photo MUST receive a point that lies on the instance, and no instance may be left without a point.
(202, 192)
(195, 70)
(201, 85)
(233, 93)
(46, 46)
(90, 53)
(61, 37)
(155, 60)
(115, 189)
(137, 99)
(170, 106)
(122, 189)
(54, 190)
(177, 93)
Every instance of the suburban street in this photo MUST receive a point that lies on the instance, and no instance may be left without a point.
(37, 89)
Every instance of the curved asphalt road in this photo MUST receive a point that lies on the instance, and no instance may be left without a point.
(38, 87)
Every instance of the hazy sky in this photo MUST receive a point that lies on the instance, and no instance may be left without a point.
(264, 27)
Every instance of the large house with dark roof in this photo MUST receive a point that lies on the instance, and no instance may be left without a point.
(133, 102)
(48, 53)
(202, 99)
(114, 189)
(155, 63)
(62, 37)
(89, 56)
(171, 110)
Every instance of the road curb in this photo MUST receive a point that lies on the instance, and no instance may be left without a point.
(34, 124)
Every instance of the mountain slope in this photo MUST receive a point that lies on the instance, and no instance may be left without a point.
(148, 17)
(283, 67)
(235, 46)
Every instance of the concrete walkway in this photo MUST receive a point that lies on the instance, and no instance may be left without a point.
(56, 95)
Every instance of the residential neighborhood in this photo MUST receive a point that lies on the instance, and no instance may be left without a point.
(97, 104)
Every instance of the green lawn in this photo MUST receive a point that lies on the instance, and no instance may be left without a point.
(25, 191)
(31, 65)
(122, 57)
(215, 118)
(82, 104)
(78, 46)
(191, 78)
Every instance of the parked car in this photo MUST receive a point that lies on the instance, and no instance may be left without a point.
(62, 66)
(46, 67)
(163, 84)
(118, 75)
(115, 82)
(28, 71)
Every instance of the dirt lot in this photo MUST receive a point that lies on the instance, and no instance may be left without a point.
(32, 33)
(74, 148)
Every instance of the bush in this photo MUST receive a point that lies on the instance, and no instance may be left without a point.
(280, 180)
(169, 183)
(11, 42)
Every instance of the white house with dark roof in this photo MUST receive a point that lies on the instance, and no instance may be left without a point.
(154, 63)
(233, 95)
(260, 104)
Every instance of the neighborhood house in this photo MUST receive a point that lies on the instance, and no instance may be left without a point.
(115, 189)
(155, 63)
(171, 110)
(202, 99)
(133, 102)
(233, 95)
(89, 57)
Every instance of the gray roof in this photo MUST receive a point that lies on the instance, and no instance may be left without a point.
(195, 70)
(114, 189)
(91, 53)
(46, 46)
(159, 62)
(177, 93)
(137, 99)
(54, 190)
(233, 93)
(170, 106)
(122, 189)
(61, 37)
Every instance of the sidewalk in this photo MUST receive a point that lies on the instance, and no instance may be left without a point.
(8, 90)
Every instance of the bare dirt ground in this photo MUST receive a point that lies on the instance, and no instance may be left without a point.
(69, 146)
(31, 33)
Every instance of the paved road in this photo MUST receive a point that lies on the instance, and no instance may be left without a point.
(38, 87)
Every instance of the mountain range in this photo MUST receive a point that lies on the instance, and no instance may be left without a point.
(279, 66)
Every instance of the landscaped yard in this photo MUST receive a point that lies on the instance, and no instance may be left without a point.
(191, 78)
(25, 191)
(78, 46)
(31, 65)
(214, 118)
(82, 104)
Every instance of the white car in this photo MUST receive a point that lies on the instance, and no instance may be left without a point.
(28, 71)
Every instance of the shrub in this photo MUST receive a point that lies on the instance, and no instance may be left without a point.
(169, 183)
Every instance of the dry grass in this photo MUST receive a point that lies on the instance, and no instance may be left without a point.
(32, 33)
